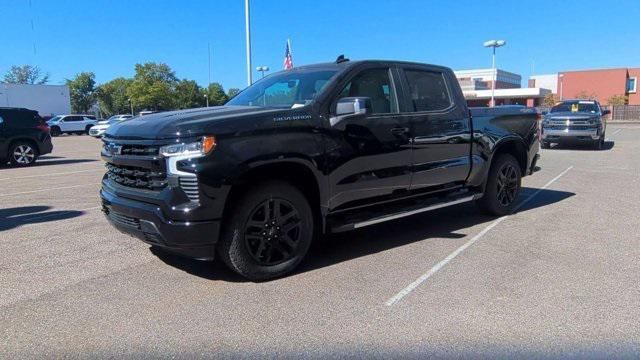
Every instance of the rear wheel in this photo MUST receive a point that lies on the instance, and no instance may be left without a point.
(268, 231)
(545, 145)
(22, 154)
(86, 130)
(503, 186)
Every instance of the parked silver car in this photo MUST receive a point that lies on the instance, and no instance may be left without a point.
(575, 121)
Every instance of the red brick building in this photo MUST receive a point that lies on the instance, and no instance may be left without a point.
(601, 84)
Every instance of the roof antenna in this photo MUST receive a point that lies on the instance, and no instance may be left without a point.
(341, 59)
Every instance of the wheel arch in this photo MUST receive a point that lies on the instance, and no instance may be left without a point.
(297, 171)
(513, 146)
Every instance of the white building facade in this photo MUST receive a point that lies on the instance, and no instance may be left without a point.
(47, 100)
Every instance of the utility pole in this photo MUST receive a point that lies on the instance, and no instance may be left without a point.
(248, 41)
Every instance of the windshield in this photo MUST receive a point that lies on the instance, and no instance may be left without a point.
(286, 89)
(55, 118)
(576, 106)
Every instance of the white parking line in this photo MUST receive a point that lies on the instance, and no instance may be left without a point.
(51, 174)
(615, 132)
(48, 189)
(404, 292)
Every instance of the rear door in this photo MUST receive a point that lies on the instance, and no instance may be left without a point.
(369, 158)
(440, 127)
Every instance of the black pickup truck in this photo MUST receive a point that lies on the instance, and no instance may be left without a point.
(317, 149)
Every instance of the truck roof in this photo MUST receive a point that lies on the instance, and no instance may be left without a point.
(349, 63)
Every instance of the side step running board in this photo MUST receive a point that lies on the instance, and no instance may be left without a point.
(408, 212)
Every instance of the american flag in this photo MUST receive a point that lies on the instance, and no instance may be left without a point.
(288, 59)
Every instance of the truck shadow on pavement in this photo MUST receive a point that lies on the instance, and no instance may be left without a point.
(447, 223)
(12, 218)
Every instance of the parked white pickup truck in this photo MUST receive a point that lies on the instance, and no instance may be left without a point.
(76, 124)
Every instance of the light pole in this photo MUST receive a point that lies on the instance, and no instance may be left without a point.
(248, 40)
(561, 76)
(494, 44)
(262, 69)
(206, 98)
(131, 104)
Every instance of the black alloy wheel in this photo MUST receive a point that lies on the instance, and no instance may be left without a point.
(272, 232)
(267, 231)
(507, 184)
(503, 186)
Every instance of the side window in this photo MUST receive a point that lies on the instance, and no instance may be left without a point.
(73, 118)
(376, 85)
(428, 90)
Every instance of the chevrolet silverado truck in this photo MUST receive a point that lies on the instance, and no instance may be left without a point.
(575, 121)
(304, 152)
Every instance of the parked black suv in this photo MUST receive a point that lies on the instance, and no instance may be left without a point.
(24, 136)
(317, 149)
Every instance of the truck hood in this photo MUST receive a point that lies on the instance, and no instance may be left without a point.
(568, 115)
(182, 123)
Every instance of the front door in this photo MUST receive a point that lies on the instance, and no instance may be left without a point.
(369, 157)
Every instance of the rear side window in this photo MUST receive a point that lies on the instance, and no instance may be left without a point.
(428, 90)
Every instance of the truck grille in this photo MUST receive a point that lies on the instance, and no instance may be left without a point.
(139, 150)
(136, 177)
(190, 187)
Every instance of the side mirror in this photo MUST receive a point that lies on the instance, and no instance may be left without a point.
(350, 107)
(606, 112)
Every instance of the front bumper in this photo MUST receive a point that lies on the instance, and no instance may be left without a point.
(147, 222)
(45, 146)
(97, 132)
(570, 134)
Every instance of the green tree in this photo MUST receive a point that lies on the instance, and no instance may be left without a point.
(618, 100)
(153, 87)
(25, 74)
(232, 92)
(82, 91)
(216, 94)
(550, 99)
(112, 96)
(188, 94)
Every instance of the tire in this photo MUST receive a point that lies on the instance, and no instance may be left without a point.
(55, 131)
(503, 186)
(22, 153)
(545, 145)
(86, 130)
(260, 246)
(598, 144)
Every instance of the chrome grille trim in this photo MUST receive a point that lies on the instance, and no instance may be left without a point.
(189, 184)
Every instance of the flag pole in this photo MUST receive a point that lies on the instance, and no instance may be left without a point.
(248, 40)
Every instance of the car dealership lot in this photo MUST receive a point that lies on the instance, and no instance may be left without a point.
(559, 277)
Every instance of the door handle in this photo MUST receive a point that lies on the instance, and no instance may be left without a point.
(400, 131)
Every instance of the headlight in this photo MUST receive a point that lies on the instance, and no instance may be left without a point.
(198, 148)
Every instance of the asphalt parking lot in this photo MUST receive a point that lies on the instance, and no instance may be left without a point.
(560, 277)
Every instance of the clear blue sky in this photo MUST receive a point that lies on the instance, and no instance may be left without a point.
(109, 37)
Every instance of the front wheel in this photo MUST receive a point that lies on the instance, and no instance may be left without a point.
(268, 232)
(22, 154)
(503, 186)
(598, 144)
(545, 145)
(55, 131)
